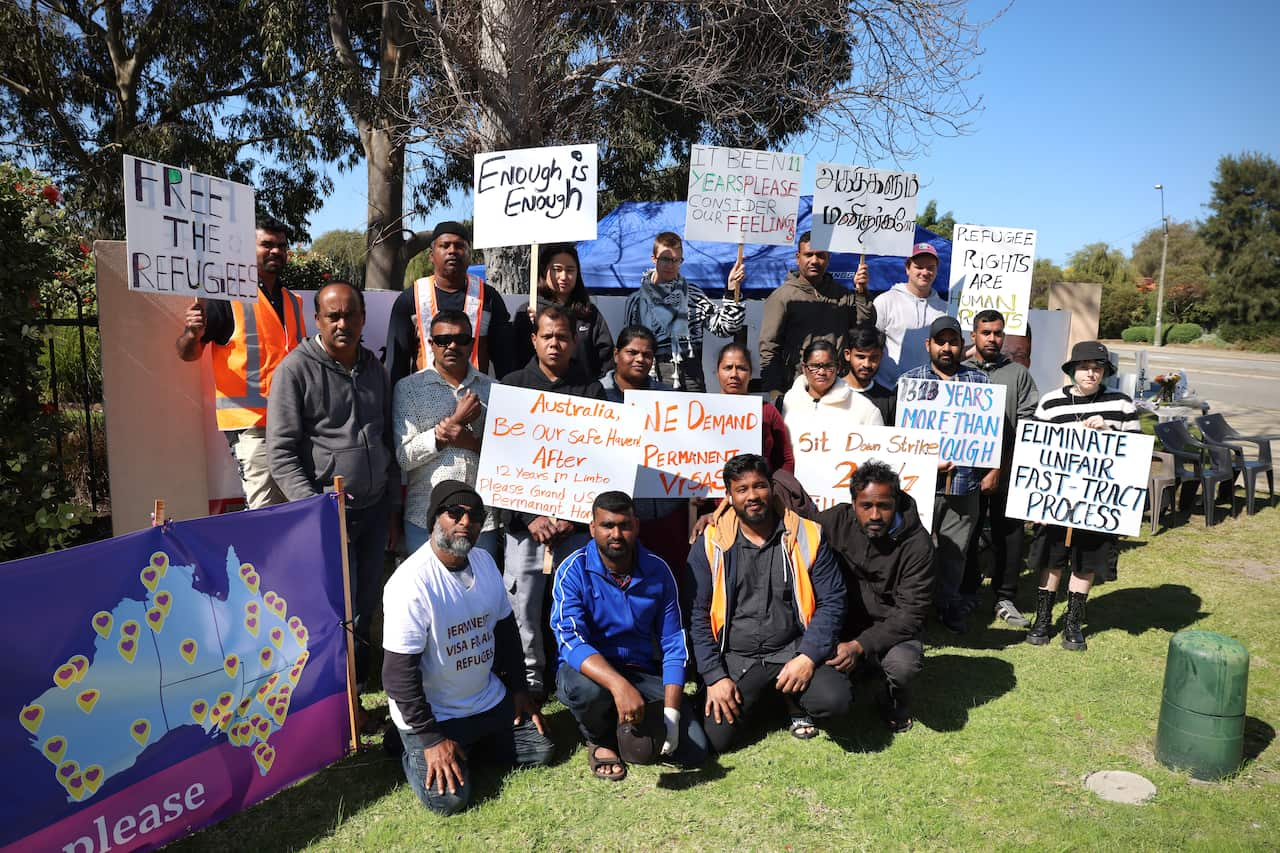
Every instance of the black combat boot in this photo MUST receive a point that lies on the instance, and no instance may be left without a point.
(1072, 636)
(1039, 633)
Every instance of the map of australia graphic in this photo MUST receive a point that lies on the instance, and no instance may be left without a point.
(179, 658)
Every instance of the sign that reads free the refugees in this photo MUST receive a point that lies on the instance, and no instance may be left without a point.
(970, 416)
(826, 460)
(869, 211)
(685, 439)
(991, 268)
(188, 234)
(535, 195)
(737, 195)
(1073, 476)
(551, 454)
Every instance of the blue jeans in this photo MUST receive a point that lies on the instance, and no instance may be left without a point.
(488, 734)
(489, 542)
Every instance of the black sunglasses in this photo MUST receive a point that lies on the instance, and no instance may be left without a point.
(446, 341)
(457, 512)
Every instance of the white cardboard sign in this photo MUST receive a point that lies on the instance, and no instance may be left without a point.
(970, 416)
(865, 211)
(991, 267)
(188, 234)
(685, 439)
(535, 195)
(1072, 476)
(737, 195)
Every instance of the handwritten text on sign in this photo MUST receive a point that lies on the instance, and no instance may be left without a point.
(687, 438)
(737, 195)
(991, 268)
(970, 416)
(827, 459)
(551, 454)
(1072, 476)
(870, 211)
(535, 195)
(188, 234)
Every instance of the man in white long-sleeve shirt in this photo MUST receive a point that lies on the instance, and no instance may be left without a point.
(904, 313)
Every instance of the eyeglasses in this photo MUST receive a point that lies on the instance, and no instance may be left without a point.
(826, 367)
(662, 259)
(446, 341)
(457, 512)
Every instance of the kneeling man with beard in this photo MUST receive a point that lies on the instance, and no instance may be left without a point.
(454, 669)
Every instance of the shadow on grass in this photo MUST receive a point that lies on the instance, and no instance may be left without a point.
(1258, 735)
(953, 685)
(1168, 607)
(683, 780)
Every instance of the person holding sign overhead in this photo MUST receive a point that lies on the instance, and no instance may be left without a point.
(906, 307)
(560, 284)
(678, 312)
(1089, 403)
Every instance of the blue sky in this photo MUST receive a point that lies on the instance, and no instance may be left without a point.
(1087, 105)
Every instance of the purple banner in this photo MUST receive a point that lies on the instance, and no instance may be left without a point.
(167, 679)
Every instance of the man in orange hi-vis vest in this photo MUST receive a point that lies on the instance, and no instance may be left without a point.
(247, 342)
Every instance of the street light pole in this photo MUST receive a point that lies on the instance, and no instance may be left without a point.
(1164, 255)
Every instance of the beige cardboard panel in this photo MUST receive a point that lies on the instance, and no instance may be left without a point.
(1084, 301)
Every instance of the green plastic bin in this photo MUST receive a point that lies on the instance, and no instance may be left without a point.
(1202, 712)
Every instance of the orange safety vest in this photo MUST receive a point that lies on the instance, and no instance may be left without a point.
(424, 297)
(242, 368)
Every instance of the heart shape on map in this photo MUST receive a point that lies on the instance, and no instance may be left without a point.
(271, 701)
(31, 717)
(102, 623)
(92, 777)
(161, 561)
(231, 665)
(81, 663)
(251, 608)
(198, 710)
(141, 731)
(278, 606)
(75, 786)
(294, 623)
(128, 649)
(245, 569)
(54, 747)
(224, 700)
(265, 656)
(67, 769)
(150, 577)
(188, 648)
(277, 637)
(155, 618)
(251, 581)
(251, 625)
(265, 759)
(87, 699)
(295, 673)
(129, 629)
(64, 675)
(164, 600)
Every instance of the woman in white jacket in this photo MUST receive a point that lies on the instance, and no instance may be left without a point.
(817, 400)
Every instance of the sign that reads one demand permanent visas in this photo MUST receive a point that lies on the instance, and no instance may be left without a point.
(686, 439)
(737, 195)
(188, 234)
(991, 268)
(970, 416)
(535, 195)
(1072, 476)
(826, 460)
(551, 454)
(867, 211)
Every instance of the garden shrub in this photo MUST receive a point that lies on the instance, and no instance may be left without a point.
(1138, 334)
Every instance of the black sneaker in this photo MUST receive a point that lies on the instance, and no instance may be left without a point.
(1006, 610)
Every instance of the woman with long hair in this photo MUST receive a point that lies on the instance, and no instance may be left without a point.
(560, 284)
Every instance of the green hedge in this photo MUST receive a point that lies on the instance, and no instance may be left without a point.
(1240, 332)
(1138, 334)
(1183, 333)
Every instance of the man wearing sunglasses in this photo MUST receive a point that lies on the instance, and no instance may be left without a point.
(438, 416)
(453, 668)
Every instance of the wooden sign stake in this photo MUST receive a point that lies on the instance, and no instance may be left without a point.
(737, 288)
(1070, 530)
(353, 697)
(157, 514)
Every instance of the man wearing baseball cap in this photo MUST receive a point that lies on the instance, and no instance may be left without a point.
(904, 312)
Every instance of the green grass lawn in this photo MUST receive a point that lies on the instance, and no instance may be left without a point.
(1005, 733)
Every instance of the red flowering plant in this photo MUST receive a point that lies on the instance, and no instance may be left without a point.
(308, 270)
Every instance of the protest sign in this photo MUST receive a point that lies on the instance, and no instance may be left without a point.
(551, 454)
(169, 678)
(1072, 476)
(970, 416)
(991, 268)
(826, 460)
(687, 438)
(867, 211)
(535, 195)
(188, 234)
(737, 195)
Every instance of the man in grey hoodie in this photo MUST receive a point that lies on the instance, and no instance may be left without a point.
(329, 414)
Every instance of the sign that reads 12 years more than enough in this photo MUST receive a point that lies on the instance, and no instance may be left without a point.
(826, 461)
(188, 234)
(686, 439)
(551, 454)
(1073, 476)
(535, 195)
(991, 268)
(970, 416)
(737, 195)
(869, 211)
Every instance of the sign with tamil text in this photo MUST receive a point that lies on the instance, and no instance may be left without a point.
(970, 416)
(535, 195)
(737, 195)
(991, 268)
(685, 439)
(866, 211)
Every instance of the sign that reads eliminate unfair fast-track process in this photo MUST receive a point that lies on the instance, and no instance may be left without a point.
(991, 268)
(970, 416)
(188, 234)
(827, 459)
(867, 211)
(685, 440)
(737, 195)
(1073, 476)
(535, 195)
(551, 454)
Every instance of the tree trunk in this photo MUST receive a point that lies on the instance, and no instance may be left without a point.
(384, 269)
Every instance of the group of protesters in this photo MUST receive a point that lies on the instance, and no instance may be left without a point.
(768, 604)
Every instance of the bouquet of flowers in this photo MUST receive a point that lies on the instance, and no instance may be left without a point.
(1168, 383)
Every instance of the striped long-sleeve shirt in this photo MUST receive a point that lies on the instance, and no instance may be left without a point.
(1064, 406)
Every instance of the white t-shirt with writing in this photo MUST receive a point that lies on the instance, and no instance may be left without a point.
(431, 611)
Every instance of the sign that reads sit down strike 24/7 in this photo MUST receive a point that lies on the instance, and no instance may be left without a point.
(551, 454)
(737, 195)
(685, 440)
(870, 211)
(188, 234)
(970, 416)
(991, 268)
(535, 195)
(1073, 476)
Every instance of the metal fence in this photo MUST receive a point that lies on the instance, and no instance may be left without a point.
(63, 377)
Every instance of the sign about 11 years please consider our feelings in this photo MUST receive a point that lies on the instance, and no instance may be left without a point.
(686, 439)
(535, 195)
(188, 234)
(867, 211)
(991, 268)
(1072, 476)
(970, 416)
(737, 195)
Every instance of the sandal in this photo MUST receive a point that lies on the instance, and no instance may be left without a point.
(595, 763)
(798, 724)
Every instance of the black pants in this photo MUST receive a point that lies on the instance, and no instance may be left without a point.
(1008, 549)
(895, 670)
(829, 694)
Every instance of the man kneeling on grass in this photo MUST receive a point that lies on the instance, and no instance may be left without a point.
(449, 634)
(616, 617)
(768, 602)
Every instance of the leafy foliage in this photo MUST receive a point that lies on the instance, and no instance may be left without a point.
(1244, 234)
(1138, 334)
(346, 248)
(1183, 333)
(1188, 269)
(309, 270)
(1097, 263)
(940, 224)
(1045, 273)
